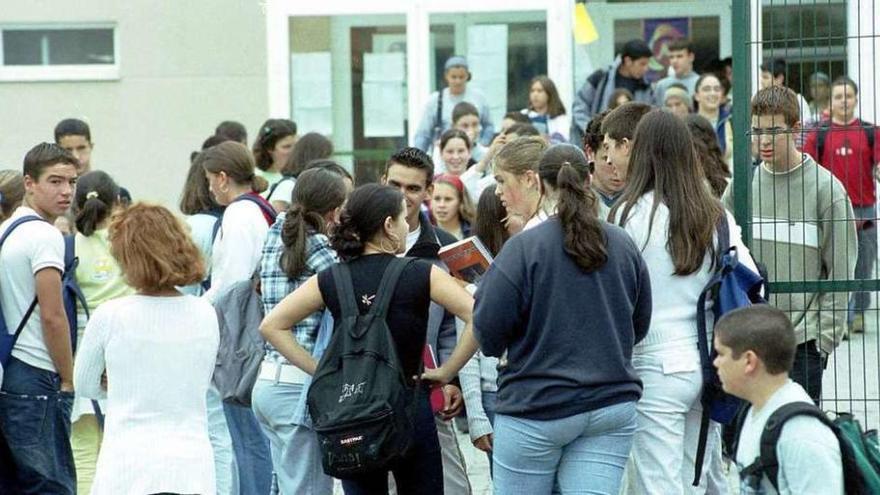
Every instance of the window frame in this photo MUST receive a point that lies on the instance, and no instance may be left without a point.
(65, 72)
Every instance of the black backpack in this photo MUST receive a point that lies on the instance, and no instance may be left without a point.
(856, 478)
(358, 400)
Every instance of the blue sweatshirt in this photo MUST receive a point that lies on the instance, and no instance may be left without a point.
(569, 334)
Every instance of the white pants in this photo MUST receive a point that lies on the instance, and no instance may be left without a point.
(669, 412)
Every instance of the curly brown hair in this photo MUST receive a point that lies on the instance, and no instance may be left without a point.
(154, 249)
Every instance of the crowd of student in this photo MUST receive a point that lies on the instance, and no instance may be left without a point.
(576, 355)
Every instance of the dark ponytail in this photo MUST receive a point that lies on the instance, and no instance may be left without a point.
(364, 217)
(96, 195)
(317, 192)
(564, 169)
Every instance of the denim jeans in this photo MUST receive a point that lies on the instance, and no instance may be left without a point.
(419, 473)
(35, 452)
(867, 238)
(489, 400)
(251, 450)
(296, 454)
(225, 467)
(582, 453)
(808, 367)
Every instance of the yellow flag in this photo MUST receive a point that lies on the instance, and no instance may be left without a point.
(584, 29)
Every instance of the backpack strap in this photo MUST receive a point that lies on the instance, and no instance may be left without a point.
(768, 463)
(275, 186)
(388, 284)
(344, 289)
(438, 117)
(33, 305)
(266, 208)
(722, 231)
(824, 127)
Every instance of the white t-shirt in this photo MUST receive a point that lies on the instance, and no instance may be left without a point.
(31, 247)
(238, 246)
(283, 190)
(808, 452)
(412, 238)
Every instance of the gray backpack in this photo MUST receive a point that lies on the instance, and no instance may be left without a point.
(240, 354)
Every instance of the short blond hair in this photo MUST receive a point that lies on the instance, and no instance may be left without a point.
(154, 249)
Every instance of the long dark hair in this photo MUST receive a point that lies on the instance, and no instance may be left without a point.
(196, 197)
(96, 194)
(663, 160)
(555, 107)
(489, 221)
(363, 217)
(272, 131)
(709, 153)
(565, 170)
(311, 146)
(317, 192)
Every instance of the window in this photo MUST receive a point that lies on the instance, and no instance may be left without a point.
(47, 52)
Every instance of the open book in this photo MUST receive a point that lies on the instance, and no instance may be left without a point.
(467, 259)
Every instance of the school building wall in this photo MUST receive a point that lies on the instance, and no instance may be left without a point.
(183, 68)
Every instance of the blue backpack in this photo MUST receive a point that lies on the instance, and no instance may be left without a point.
(70, 291)
(733, 285)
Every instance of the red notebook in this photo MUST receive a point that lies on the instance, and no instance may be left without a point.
(430, 361)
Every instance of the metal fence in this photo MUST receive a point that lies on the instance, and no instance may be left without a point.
(795, 219)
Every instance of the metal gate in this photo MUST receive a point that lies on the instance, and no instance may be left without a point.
(817, 41)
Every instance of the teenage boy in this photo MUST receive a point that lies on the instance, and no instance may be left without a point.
(617, 129)
(231, 130)
(628, 72)
(411, 170)
(849, 147)
(437, 116)
(35, 406)
(803, 230)
(605, 182)
(681, 59)
(773, 74)
(75, 136)
(756, 347)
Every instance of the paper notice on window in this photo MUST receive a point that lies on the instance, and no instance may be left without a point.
(312, 92)
(487, 62)
(384, 112)
(384, 67)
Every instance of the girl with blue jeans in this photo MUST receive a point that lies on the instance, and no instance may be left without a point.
(566, 399)
(296, 248)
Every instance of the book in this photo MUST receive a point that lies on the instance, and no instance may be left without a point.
(467, 259)
(430, 361)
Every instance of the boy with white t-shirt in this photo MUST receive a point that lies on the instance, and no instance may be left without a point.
(756, 347)
(37, 390)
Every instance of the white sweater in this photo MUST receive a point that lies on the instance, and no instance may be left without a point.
(238, 246)
(159, 355)
(674, 317)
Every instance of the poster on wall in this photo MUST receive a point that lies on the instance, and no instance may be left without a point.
(658, 33)
(311, 92)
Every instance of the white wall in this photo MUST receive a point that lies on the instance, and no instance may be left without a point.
(184, 67)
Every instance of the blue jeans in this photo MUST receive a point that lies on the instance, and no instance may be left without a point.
(867, 243)
(489, 400)
(584, 453)
(35, 452)
(419, 473)
(251, 450)
(296, 454)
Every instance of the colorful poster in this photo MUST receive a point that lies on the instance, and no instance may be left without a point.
(658, 33)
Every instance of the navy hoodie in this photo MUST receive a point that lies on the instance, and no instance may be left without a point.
(569, 334)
